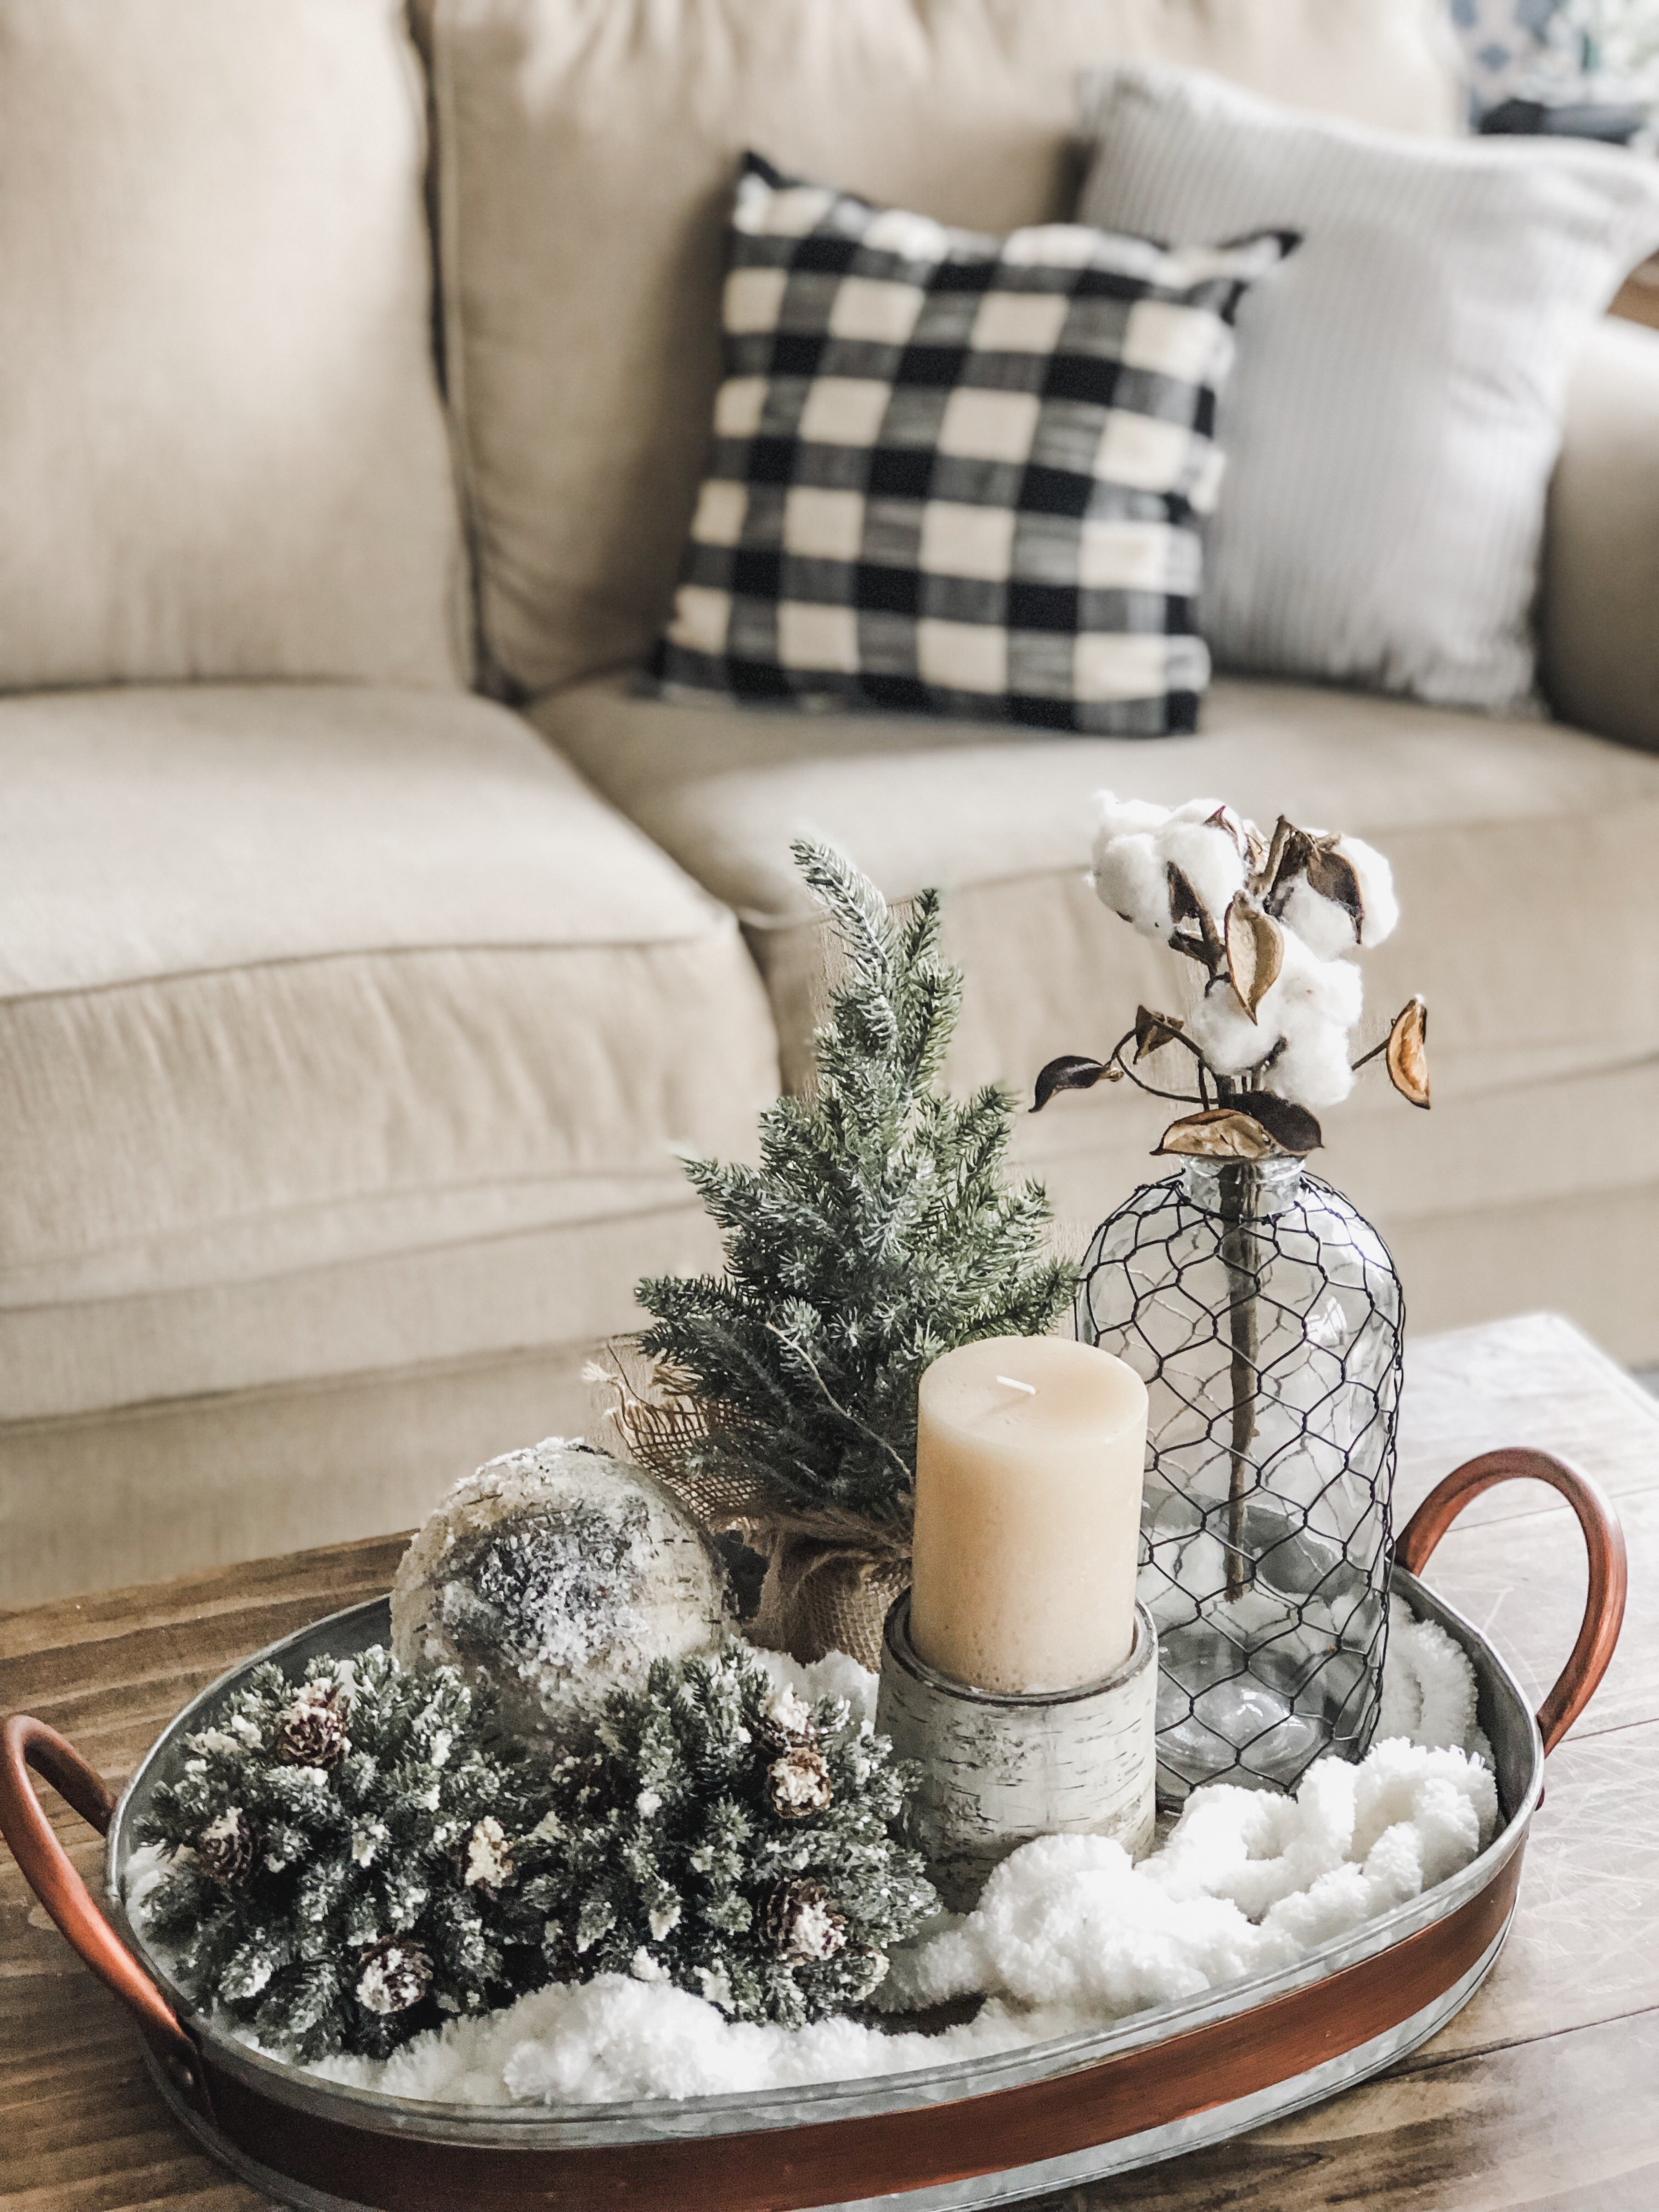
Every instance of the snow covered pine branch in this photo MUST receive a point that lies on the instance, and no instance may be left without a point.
(1270, 921)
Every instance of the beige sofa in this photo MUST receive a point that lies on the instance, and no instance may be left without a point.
(370, 949)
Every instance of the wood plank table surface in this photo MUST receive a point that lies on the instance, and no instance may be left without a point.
(1543, 2094)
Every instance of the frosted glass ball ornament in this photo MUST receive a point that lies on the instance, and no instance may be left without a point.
(551, 1578)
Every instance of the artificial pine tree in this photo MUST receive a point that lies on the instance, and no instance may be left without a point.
(342, 1856)
(878, 1230)
(725, 1836)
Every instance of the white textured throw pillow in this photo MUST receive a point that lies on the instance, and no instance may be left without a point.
(1395, 411)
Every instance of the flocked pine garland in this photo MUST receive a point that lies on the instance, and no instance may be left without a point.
(354, 1858)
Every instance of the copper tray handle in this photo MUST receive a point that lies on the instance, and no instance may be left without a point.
(51, 1874)
(1604, 1541)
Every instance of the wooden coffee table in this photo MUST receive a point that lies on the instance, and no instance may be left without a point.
(1543, 2094)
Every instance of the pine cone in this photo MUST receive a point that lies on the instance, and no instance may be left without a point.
(396, 1974)
(797, 1784)
(312, 1731)
(784, 1721)
(224, 1850)
(488, 1862)
(800, 1920)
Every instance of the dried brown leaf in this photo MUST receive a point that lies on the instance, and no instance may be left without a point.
(1183, 899)
(1071, 1072)
(1292, 1127)
(1225, 820)
(1222, 1133)
(1332, 877)
(1408, 1052)
(1286, 860)
(1154, 1030)
(1255, 952)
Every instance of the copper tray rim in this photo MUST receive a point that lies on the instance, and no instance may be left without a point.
(1518, 1748)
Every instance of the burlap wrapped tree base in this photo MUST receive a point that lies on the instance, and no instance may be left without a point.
(830, 1577)
(821, 1596)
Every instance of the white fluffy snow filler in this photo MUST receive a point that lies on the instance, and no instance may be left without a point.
(1069, 1936)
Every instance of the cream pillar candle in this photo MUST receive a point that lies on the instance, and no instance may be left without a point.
(1029, 1458)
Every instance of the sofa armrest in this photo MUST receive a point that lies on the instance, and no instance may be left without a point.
(1600, 610)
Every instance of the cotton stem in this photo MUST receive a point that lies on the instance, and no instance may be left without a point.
(1241, 1257)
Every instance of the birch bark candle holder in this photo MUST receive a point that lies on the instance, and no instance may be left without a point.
(1000, 1767)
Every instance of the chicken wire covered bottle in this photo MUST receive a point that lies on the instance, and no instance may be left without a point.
(1265, 1316)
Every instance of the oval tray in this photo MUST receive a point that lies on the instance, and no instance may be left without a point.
(978, 2132)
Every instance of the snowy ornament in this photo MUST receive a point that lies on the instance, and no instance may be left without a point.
(552, 1577)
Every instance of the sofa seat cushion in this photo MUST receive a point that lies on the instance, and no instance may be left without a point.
(586, 149)
(221, 434)
(344, 1029)
(1521, 851)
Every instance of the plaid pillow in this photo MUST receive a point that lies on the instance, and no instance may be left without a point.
(957, 474)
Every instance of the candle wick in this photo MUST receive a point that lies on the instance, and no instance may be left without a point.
(1008, 1381)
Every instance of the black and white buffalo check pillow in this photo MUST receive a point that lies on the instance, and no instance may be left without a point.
(957, 474)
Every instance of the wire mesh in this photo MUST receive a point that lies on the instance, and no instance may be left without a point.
(1265, 1316)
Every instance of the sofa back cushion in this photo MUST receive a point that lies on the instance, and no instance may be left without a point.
(221, 434)
(587, 153)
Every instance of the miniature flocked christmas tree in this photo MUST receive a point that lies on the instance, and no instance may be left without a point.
(878, 1230)
(724, 1835)
(341, 1854)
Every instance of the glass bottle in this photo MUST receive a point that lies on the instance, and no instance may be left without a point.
(1265, 1316)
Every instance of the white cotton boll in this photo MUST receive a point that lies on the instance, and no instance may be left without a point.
(1313, 1006)
(1325, 927)
(1310, 1007)
(1125, 817)
(1314, 1068)
(1379, 905)
(1329, 990)
(1207, 855)
(1131, 877)
(1229, 1040)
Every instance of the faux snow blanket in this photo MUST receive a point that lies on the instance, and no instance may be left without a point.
(1069, 1936)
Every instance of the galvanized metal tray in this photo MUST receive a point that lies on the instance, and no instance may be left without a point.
(977, 2133)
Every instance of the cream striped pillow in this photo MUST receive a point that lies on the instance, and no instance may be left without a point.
(1395, 410)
